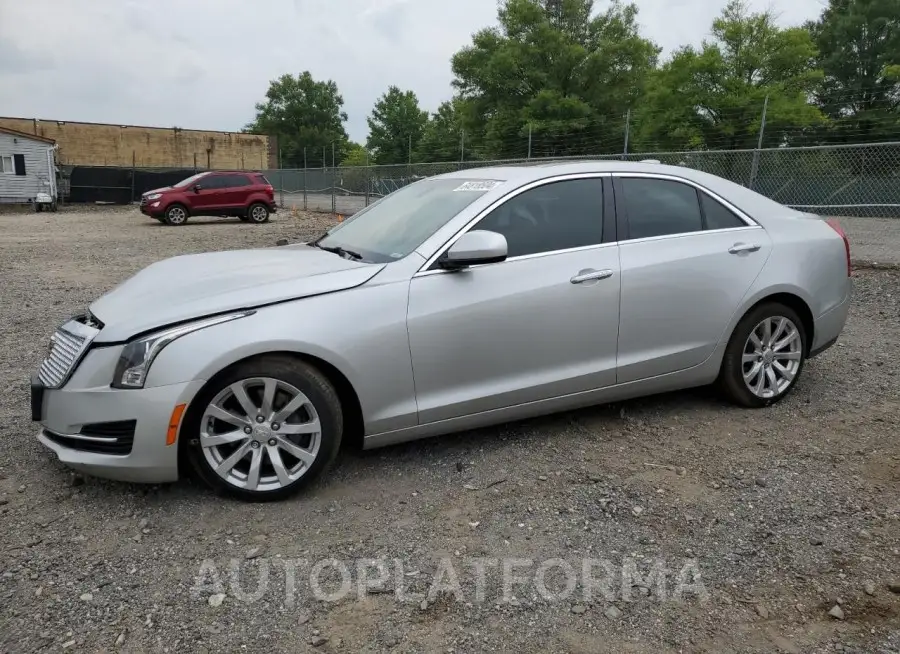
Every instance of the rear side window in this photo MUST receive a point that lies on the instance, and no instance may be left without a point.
(261, 179)
(659, 207)
(555, 216)
(230, 181)
(717, 215)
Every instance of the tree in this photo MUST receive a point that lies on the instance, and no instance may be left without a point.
(556, 71)
(442, 139)
(859, 43)
(357, 155)
(713, 97)
(395, 126)
(303, 113)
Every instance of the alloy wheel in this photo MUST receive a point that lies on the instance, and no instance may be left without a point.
(772, 356)
(258, 213)
(260, 434)
(177, 215)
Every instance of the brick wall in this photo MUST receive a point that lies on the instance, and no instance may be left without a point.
(114, 145)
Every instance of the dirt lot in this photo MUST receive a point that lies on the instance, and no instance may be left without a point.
(786, 512)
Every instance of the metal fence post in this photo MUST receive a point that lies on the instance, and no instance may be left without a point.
(280, 181)
(754, 167)
(333, 181)
(132, 174)
(627, 132)
(529, 140)
(366, 178)
(304, 179)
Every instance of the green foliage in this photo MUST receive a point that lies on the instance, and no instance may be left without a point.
(442, 138)
(557, 78)
(357, 155)
(556, 70)
(859, 44)
(303, 113)
(396, 126)
(713, 97)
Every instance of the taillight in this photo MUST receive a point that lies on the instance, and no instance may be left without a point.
(836, 226)
(270, 189)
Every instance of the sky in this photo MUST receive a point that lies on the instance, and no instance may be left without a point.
(203, 64)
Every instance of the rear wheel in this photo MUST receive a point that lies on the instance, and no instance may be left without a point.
(176, 215)
(257, 213)
(265, 429)
(764, 357)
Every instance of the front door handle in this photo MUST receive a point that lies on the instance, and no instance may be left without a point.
(590, 274)
(737, 248)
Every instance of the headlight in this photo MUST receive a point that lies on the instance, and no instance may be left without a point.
(154, 196)
(135, 360)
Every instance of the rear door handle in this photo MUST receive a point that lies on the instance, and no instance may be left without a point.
(737, 248)
(590, 274)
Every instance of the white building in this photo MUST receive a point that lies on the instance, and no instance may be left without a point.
(27, 169)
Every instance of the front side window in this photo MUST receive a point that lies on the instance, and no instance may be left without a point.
(554, 216)
(190, 181)
(660, 207)
(400, 222)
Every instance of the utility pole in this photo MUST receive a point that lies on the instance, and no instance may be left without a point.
(754, 168)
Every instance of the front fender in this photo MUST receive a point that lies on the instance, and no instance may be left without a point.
(361, 332)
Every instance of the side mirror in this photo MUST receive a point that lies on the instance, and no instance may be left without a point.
(474, 248)
(197, 187)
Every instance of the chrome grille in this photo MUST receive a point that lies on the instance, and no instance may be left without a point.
(67, 346)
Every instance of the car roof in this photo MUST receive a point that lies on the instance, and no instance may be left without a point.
(751, 202)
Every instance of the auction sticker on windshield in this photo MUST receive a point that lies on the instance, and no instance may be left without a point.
(480, 185)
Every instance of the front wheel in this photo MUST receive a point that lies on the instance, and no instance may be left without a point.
(258, 213)
(264, 429)
(765, 356)
(176, 215)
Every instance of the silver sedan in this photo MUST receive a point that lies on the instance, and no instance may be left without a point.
(459, 301)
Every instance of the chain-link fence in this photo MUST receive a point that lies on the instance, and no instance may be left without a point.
(857, 180)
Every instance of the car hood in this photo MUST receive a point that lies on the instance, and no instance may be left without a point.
(198, 285)
(163, 189)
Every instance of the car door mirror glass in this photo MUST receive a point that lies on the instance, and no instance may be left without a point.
(474, 248)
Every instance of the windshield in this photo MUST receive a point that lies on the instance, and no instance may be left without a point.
(400, 222)
(190, 180)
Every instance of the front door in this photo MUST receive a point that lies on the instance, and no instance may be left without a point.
(542, 324)
(687, 262)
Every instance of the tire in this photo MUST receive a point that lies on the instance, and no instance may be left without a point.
(783, 364)
(176, 214)
(257, 213)
(291, 379)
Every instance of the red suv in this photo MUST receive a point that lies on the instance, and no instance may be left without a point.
(247, 196)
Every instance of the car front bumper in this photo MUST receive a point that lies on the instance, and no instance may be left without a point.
(72, 420)
(153, 209)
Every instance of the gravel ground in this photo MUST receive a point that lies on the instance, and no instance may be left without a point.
(790, 513)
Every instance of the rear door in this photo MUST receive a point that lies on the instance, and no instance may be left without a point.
(238, 190)
(688, 259)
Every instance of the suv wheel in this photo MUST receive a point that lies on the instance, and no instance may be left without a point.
(176, 215)
(258, 213)
(765, 356)
(264, 429)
